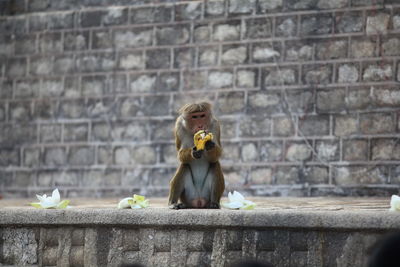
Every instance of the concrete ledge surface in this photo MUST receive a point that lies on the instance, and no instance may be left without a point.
(337, 213)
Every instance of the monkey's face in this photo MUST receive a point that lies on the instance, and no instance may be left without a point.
(197, 121)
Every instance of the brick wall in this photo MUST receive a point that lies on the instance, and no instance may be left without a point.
(307, 92)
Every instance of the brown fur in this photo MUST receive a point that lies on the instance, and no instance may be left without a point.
(185, 156)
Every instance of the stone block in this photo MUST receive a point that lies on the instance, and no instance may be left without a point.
(20, 246)
(64, 64)
(37, 22)
(298, 152)
(208, 56)
(331, 100)
(24, 45)
(129, 107)
(377, 23)
(9, 157)
(26, 88)
(151, 14)
(229, 103)
(231, 154)
(102, 39)
(131, 60)
(385, 149)
(266, 52)
(246, 78)
(20, 111)
(352, 176)
(168, 81)
(348, 73)
(105, 155)
(184, 58)
(70, 178)
(331, 49)
(317, 74)
(103, 108)
(301, 4)
(226, 32)
(22, 179)
(78, 40)
(77, 132)
(101, 131)
(215, 8)
(91, 18)
(377, 123)
(2, 112)
(257, 28)
(41, 66)
(346, 125)
(93, 85)
(329, 4)
(267, 102)
(61, 21)
(349, 22)
(298, 51)
(286, 26)
(285, 175)
(314, 125)
(83, 156)
(249, 152)
(72, 109)
(16, 67)
(359, 98)
(142, 83)
(234, 176)
(386, 97)
(50, 133)
(96, 62)
(72, 87)
(396, 21)
(156, 105)
(327, 150)
(176, 35)
(160, 177)
(280, 77)
(255, 126)
(300, 101)
(190, 11)
(228, 129)
(283, 126)
(390, 47)
(315, 25)
(366, 2)
(355, 149)
(7, 46)
(202, 33)
(220, 79)
(129, 131)
(317, 175)
(158, 59)
(45, 178)
(234, 55)
(124, 39)
(169, 155)
(115, 16)
(135, 177)
(271, 151)
(51, 88)
(6, 89)
(377, 72)
(265, 6)
(54, 156)
(237, 7)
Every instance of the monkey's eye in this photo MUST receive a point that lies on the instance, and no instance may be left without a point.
(194, 117)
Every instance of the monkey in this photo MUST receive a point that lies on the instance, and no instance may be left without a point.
(198, 181)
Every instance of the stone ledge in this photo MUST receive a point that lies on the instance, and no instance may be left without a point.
(317, 213)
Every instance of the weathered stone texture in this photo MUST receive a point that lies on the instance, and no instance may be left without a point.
(99, 83)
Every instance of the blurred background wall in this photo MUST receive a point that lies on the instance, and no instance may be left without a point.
(307, 92)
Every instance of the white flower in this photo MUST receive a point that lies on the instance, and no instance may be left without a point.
(135, 202)
(395, 203)
(53, 202)
(237, 201)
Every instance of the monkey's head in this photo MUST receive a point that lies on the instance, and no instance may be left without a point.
(196, 116)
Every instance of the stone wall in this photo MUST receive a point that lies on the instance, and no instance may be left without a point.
(307, 92)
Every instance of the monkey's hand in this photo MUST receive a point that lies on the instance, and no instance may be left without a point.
(210, 145)
(196, 153)
(177, 206)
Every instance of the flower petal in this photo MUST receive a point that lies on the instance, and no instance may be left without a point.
(395, 203)
(63, 204)
(138, 197)
(124, 203)
(36, 205)
(232, 205)
(55, 196)
(236, 196)
(248, 205)
(41, 198)
(47, 204)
